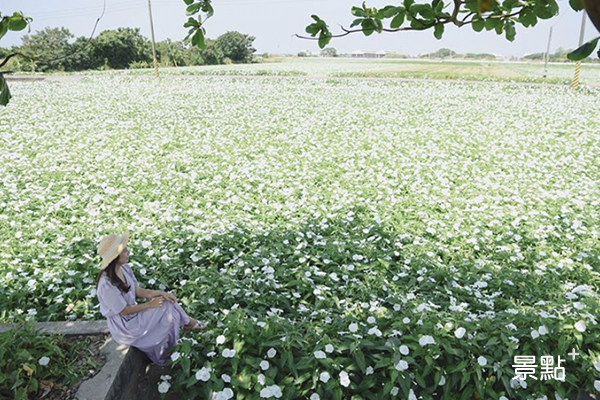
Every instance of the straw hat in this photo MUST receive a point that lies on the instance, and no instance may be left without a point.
(110, 247)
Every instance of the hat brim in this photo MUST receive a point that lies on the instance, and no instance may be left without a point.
(124, 238)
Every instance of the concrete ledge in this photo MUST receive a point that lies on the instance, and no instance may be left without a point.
(65, 328)
(117, 380)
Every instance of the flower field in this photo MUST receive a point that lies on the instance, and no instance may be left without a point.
(343, 238)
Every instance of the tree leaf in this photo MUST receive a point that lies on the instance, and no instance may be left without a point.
(198, 39)
(3, 27)
(576, 5)
(584, 51)
(17, 23)
(324, 39)
(439, 31)
(4, 91)
(478, 24)
(368, 26)
(356, 22)
(188, 2)
(389, 11)
(398, 20)
(358, 12)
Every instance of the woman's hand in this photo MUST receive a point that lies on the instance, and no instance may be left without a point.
(156, 302)
(167, 296)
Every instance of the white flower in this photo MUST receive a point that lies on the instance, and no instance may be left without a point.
(460, 332)
(535, 334)
(226, 378)
(228, 353)
(404, 350)
(353, 327)
(411, 395)
(163, 387)
(320, 354)
(597, 386)
(442, 381)
(203, 374)
(395, 391)
(271, 391)
(175, 356)
(369, 370)
(503, 398)
(224, 394)
(375, 331)
(220, 339)
(43, 361)
(261, 379)
(401, 366)
(344, 379)
(543, 330)
(165, 377)
(371, 320)
(211, 301)
(264, 365)
(315, 396)
(597, 364)
(271, 353)
(580, 326)
(425, 340)
(324, 377)
(482, 361)
(329, 348)
(406, 320)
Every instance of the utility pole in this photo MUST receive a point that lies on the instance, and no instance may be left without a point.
(153, 42)
(547, 54)
(578, 64)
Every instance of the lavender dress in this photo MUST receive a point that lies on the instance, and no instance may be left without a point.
(154, 331)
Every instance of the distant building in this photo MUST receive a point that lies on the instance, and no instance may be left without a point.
(365, 54)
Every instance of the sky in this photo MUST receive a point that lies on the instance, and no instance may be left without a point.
(274, 22)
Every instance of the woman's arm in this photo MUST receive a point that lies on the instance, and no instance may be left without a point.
(135, 309)
(155, 302)
(145, 293)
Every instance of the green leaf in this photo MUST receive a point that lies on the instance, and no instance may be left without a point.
(191, 22)
(439, 31)
(188, 2)
(4, 92)
(527, 17)
(17, 23)
(360, 360)
(389, 11)
(398, 20)
(356, 22)
(576, 5)
(491, 23)
(582, 52)
(368, 26)
(546, 9)
(509, 29)
(3, 27)
(358, 12)
(324, 38)
(478, 24)
(198, 39)
(193, 8)
(313, 29)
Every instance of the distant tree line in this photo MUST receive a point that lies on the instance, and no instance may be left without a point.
(57, 49)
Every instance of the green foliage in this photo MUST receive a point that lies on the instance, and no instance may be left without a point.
(584, 51)
(121, 48)
(329, 52)
(21, 353)
(50, 48)
(15, 22)
(236, 46)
